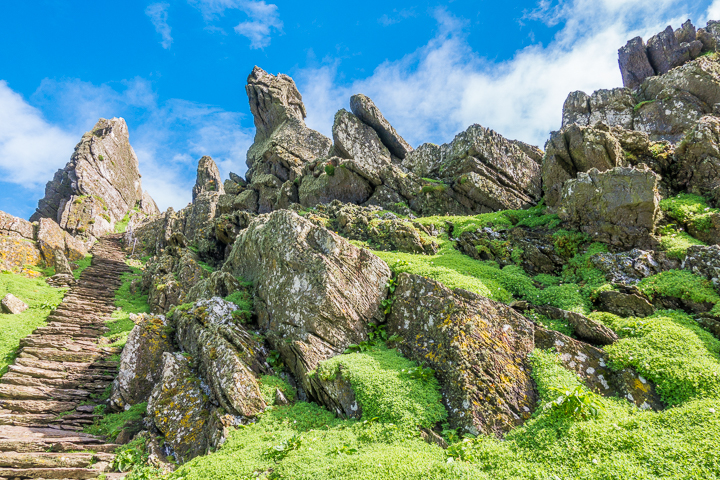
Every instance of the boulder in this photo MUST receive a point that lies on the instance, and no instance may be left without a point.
(698, 158)
(665, 53)
(576, 149)
(670, 116)
(624, 304)
(619, 206)
(208, 178)
(628, 268)
(333, 183)
(226, 355)
(365, 110)
(634, 63)
(477, 347)
(611, 107)
(591, 365)
(700, 78)
(141, 362)
(359, 143)
(17, 251)
(52, 238)
(13, 305)
(62, 266)
(11, 226)
(315, 292)
(181, 411)
(103, 166)
(584, 328)
(686, 33)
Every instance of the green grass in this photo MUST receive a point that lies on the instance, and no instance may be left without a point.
(121, 225)
(270, 383)
(110, 425)
(82, 265)
(670, 349)
(384, 388)
(680, 284)
(691, 210)
(39, 296)
(676, 242)
(120, 323)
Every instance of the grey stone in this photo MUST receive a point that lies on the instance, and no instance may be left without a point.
(365, 110)
(576, 109)
(208, 178)
(624, 304)
(665, 53)
(13, 305)
(634, 63)
(686, 33)
(361, 145)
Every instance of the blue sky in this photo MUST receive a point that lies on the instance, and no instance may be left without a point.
(176, 71)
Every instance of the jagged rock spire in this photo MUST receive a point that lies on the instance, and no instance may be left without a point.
(273, 101)
(208, 178)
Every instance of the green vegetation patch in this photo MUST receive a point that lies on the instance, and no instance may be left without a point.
(111, 424)
(269, 384)
(680, 284)
(385, 387)
(40, 297)
(670, 349)
(82, 265)
(127, 302)
(676, 242)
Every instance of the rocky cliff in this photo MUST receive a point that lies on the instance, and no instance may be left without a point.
(99, 186)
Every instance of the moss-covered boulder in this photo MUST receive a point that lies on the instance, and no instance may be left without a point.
(141, 361)
(477, 347)
(619, 206)
(228, 358)
(327, 181)
(315, 292)
(182, 412)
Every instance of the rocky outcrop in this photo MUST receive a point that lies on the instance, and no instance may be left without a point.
(488, 171)
(99, 185)
(584, 328)
(628, 268)
(208, 178)
(283, 144)
(365, 110)
(141, 363)
(591, 365)
(226, 355)
(181, 411)
(697, 166)
(477, 347)
(619, 206)
(624, 304)
(169, 277)
(663, 52)
(315, 292)
(576, 149)
(705, 262)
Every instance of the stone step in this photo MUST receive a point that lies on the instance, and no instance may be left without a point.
(35, 406)
(37, 420)
(54, 473)
(53, 355)
(99, 367)
(50, 459)
(21, 392)
(91, 386)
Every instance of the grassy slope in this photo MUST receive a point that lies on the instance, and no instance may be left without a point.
(39, 296)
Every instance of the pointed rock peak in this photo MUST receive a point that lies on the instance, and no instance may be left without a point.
(365, 110)
(208, 178)
(273, 101)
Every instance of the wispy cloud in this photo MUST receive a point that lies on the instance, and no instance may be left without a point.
(396, 16)
(158, 13)
(443, 87)
(263, 19)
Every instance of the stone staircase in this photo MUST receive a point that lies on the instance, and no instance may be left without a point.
(47, 395)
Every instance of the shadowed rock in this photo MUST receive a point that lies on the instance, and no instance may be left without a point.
(365, 110)
(634, 63)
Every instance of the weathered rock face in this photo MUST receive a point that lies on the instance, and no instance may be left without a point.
(365, 110)
(698, 158)
(624, 304)
(226, 354)
(576, 149)
(611, 107)
(333, 183)
(665, 52)
(169, 277)
(283, 144)
(361, 145)
(634, 63)
(12, 305)
(17, 243)
(52, 238)
(315, 292)
(584, 328)
(208, 178)
(103, 167)
(619, 206)
(705, 262)
(141, 363)
(477, 347)
(591, 365)
(490, 171)
(181, 411)
(628, 268)
(62, 266)
(11, 226)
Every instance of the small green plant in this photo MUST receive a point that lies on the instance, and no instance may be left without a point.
(330, 169)
(127, 459)
(101, 158)
(273, 359)
(376, 332)
(419, 373)
(464, 451)
(360, 347)
(576, 402)
(642, 104)
(280, 451)
(344, 449)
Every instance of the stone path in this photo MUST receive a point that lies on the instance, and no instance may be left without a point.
(46, 397)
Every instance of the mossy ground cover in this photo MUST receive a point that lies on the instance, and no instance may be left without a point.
(127, 302)
(40, 297)
(110, 425)
(688, 210)
(681, 284)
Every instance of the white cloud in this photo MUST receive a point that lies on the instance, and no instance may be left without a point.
(439, 90)
(31, 149)
(158, 13)
(396, 16)
(262, 19)
(168, 137)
